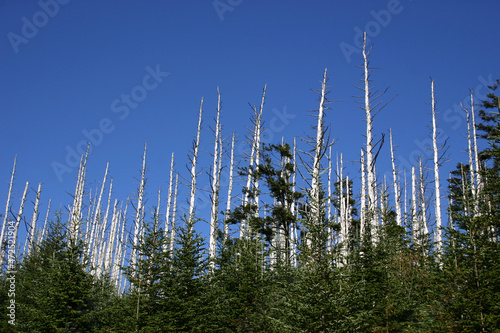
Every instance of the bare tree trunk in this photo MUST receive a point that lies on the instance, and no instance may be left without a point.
(169, 201)
(34, 219)
(254, 162)
(414, 227)
(329, 201)
(423, 205)
(194, 175)
(318, 153)
(42, 234)
(229, 191)
(20, 214)
(476, 154)
(294, 209)
(174, 211)
(76, 211)
(112, 235)
(362, 216)
(397, 201)
(139, 209)
(369, 143)
(6, 215)
(101, 244)
(437, 206)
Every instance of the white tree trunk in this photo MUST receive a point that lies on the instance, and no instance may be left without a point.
(476, 154)
(254, 161)
(397, 201)
(414, 215)
(214, 213)
(76, 211)
(112, 235)
(169, 201)
(139, 209)
(318, 153)
(369, 144)
(229, 191)
(20, 214)
(174, 211)
(101, 247)
(437, 207)
(42, 234)
(423, 205)
(362, 215)
(34, 219)
(194, 175)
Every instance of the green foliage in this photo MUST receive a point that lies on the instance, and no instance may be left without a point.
(56, 293)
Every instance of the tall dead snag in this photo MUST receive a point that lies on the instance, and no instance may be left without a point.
(397, 201)
(252, 184)
(369, 142)
(372, 107)
(169, 200)
(315, 223)
(437, 204)
(362, 215)
(139, 208)
(474, 135)
(229, 191)
(215, 184)
(193, 174)
(76, 210)
(414, 216)
(6, 215)
(174, 211)
(100, 243)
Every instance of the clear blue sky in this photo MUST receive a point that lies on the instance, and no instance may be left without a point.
(66, 68)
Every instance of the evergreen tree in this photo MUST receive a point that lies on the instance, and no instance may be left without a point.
(472, 262)
(56, 292)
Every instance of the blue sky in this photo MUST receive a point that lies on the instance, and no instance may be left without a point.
(67, 67)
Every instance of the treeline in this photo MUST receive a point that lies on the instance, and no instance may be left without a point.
(286, 258)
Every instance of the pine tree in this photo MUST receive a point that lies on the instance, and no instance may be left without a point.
(55, 291)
